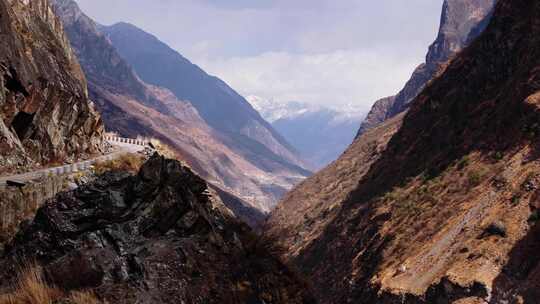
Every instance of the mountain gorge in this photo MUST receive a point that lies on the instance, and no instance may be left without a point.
(217, 103)
(46, 115)
(320, 134)
(435, 201)
(447, 209)
(242, 156)
(111, 234)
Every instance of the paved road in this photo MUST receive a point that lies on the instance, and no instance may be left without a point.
(122, 148)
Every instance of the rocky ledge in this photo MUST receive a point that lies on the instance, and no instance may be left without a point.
(154, 237)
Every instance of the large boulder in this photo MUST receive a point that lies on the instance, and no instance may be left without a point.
(157, 237)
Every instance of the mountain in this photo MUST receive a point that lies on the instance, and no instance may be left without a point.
(218, 104)
(320, 134)
(45, 112)
(154, 237)
(235, 164)
(461, 22)
(445, 207)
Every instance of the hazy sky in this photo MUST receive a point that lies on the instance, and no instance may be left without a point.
(330, 52)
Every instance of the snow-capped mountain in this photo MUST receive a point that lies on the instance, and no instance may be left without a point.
(319, 133)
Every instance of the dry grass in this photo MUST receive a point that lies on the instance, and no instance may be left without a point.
(31, 288)
(164, 149)
(83, 297)
(127, 162)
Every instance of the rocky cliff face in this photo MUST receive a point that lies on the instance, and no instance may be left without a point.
(45, 112)
(236, 164)
(157, 237)
(461, 22)
(448, 211)
(377, 115)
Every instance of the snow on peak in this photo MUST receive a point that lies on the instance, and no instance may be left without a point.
(273, 110)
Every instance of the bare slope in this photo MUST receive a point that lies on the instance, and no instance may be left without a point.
(449, 211)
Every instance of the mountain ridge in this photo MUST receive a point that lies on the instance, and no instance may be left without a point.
(218, 104)
(443, 209)
(461, 22)
(133, 108)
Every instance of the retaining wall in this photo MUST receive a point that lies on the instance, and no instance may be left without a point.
(19, 204)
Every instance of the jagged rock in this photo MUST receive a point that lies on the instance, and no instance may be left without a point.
(45, 113)
(155, 237)
(461, 22)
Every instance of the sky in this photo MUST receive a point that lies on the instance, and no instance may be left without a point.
(335, 53)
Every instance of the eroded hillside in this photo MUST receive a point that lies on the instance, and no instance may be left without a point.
(448, 213)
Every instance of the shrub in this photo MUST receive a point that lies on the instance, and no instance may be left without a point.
(535, 217)
(463, 162)
(475, 177)
(516, 199)
(127, 162)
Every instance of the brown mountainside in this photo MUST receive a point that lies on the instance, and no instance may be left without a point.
(45, 112)
(132, 107)
(461, 22)
(448, 213)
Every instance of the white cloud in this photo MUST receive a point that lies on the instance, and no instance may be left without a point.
(319, 51)
(334, 79)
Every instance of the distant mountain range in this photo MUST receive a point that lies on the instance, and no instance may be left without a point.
(143, 87)
(319, 133)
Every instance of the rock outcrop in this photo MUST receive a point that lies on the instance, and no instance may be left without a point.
(46, 115)
(156, 237)
(234, 163)
(461, 22)
(448, 211)
(377, 115)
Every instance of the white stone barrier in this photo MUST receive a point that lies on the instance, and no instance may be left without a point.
(123, 140)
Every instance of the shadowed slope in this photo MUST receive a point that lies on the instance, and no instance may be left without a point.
(418, 227)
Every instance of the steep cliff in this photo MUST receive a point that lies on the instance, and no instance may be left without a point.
(461, 22)
(154, 237)
(448, 212)
(46, 115)
(239, 165)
